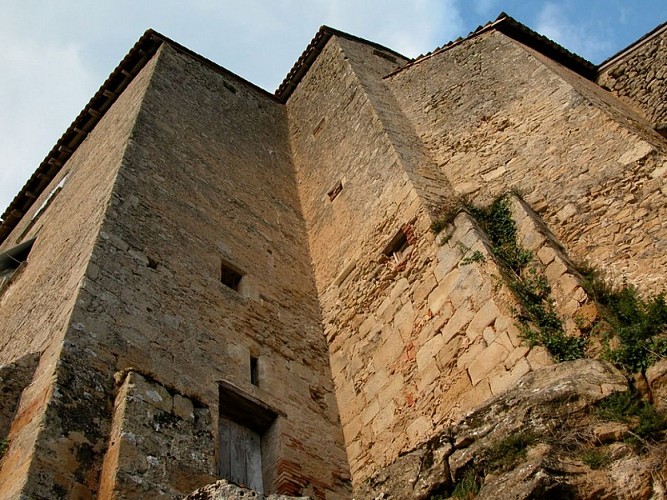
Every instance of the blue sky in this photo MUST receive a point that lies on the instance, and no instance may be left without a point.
(55, 55)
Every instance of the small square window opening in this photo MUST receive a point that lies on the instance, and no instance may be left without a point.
(229, 276)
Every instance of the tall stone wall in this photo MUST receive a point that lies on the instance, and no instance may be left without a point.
(37, 307)
(206, 182)
(417, 338)
(639, 77)
(498, 116)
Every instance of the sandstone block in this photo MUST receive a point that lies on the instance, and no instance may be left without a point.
(429, 350)
(458, 321)
(152, 393)
(404, 320)
(424, 289)
(486, 316)
(546, 254)
(656, 377)
(610, 431)
(448, 354)
(539, 357)
(488, 359)
(427, 374)
(441, 293)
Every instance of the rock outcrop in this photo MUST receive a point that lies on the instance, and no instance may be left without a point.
(224, 490)
(543, 438)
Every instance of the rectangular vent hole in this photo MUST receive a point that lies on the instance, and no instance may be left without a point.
(230, 276)
(254, 370)
(335, 191)
(318, 127)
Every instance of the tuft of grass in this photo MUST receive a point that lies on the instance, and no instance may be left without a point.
(468, 487)
(506, 453)
(4, 444)
(445, 219)
(595, 458)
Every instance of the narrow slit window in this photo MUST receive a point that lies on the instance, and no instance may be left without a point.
(398, 246)
(12, 260)
(318, 127)
(254, 370)
(333, 193)
(230, 276)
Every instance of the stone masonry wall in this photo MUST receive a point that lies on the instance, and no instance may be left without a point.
(497, 116)
(36, 308)
(337, 136)
(415, 341)
(640, 77)
(207, 179)
(161, 444)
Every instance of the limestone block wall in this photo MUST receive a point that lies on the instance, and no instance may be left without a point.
(36, 308)
(207, 182)
(639, 77)
(498, 116)
(337, 138)
(161, 444)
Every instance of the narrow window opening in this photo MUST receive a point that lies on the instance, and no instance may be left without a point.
(254, 371)
(230, 276)
(229, 87)
(398, 246)
(333, 193)
(12, 260)
(318, 127)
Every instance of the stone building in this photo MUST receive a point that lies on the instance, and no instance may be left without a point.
(206, 280)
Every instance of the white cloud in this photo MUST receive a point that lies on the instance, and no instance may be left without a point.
(579, 35)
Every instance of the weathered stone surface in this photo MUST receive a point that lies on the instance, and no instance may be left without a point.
(198, 239)
(224, 490)
(535, 405)
(656, 376)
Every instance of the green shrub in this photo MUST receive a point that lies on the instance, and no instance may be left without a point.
(596, 458)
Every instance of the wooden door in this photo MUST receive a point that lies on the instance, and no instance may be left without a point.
(240, 455)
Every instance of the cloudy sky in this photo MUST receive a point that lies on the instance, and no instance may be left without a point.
(56, 54)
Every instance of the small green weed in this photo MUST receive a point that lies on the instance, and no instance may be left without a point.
(538, 320)
(468, 487)
(637, 327)
(4, 444)
(628, 407)
(445, 219)
(505, 454)
(595, 458)
(476, 256)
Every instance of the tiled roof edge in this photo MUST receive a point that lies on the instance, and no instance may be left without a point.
(309, 55)
(85, 122)
(521, 33)
(633, 46)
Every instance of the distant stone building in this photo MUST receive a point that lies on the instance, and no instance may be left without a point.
(206, 280)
